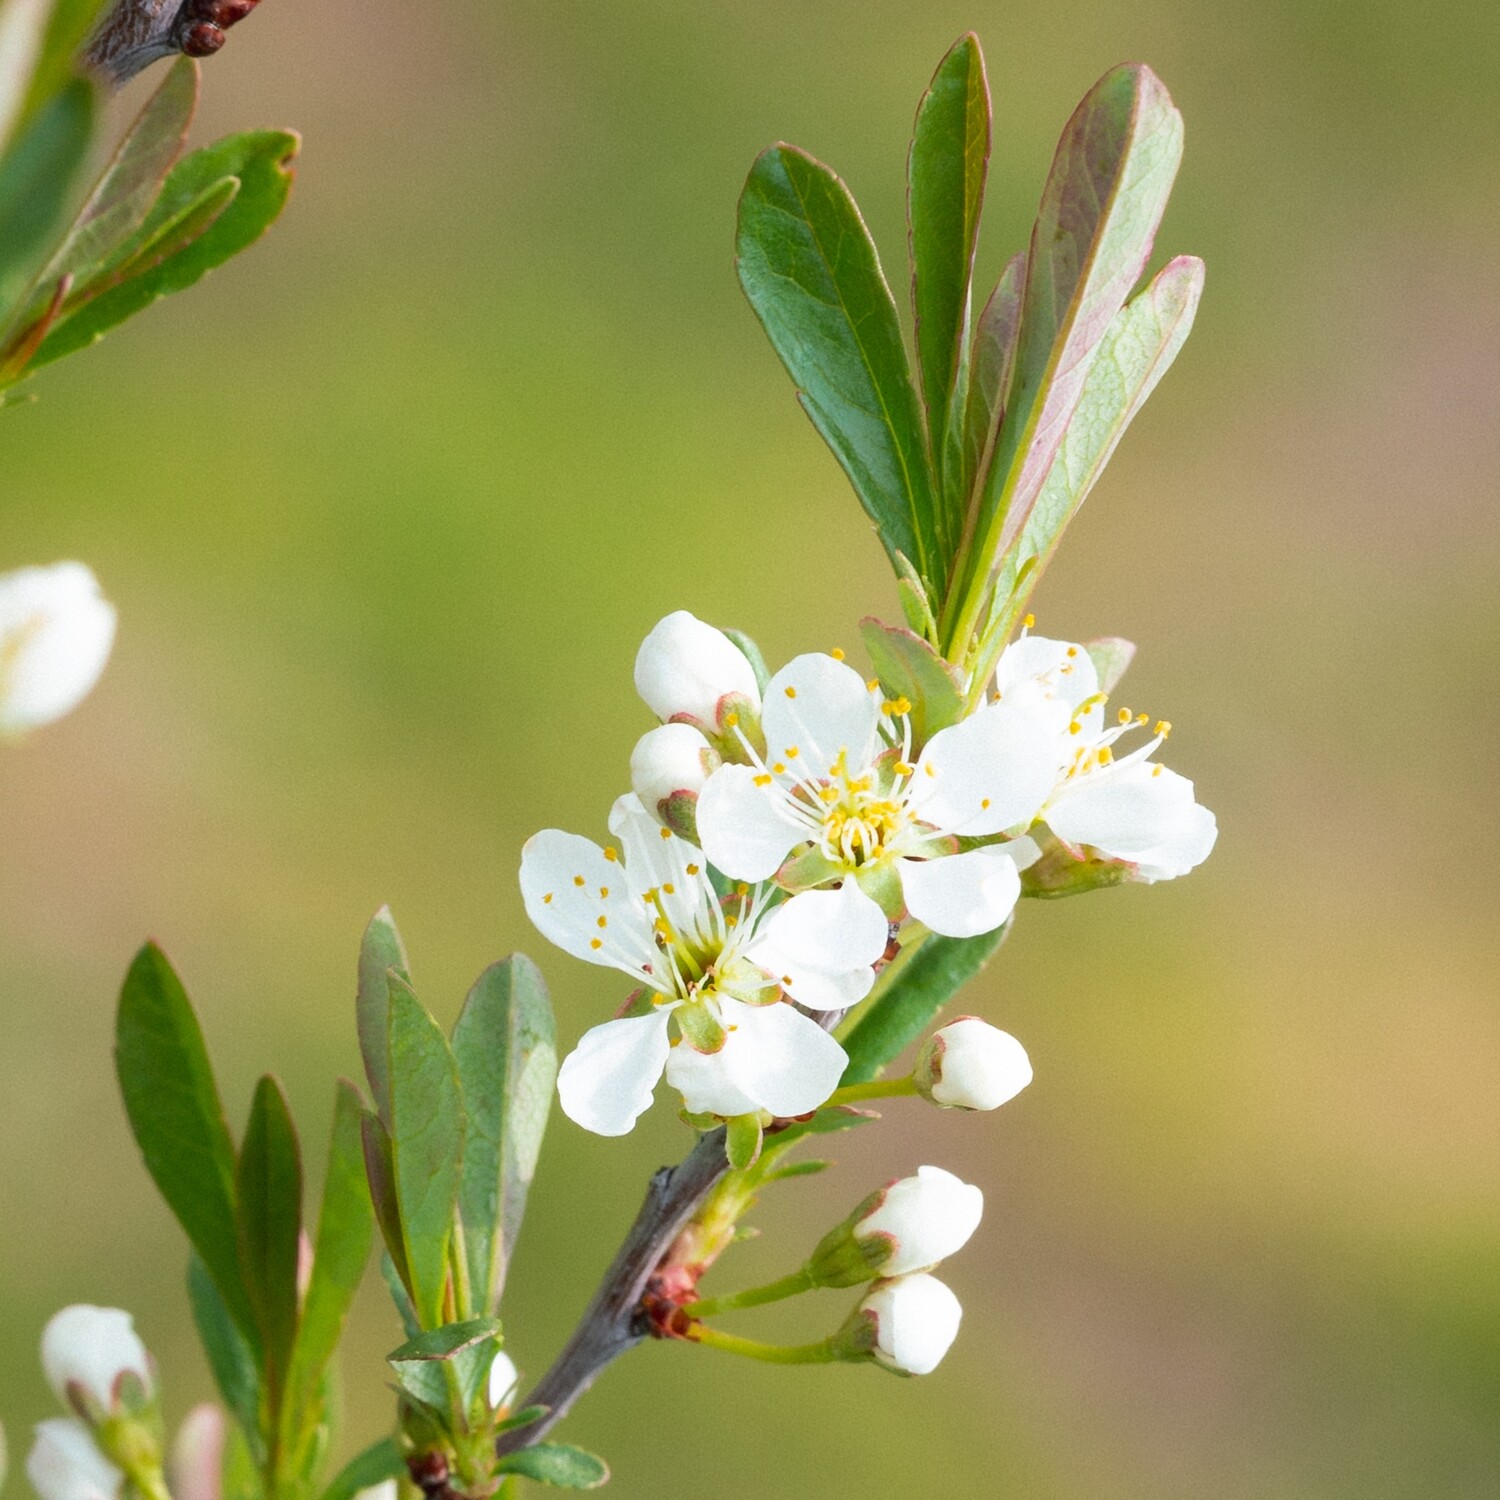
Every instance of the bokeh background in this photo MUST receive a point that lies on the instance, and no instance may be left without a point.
(387, 505)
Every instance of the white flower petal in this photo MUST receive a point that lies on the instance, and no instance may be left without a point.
(1143, 815)
(778, 1057)
(92, 1347)
(916, 1322)
(819, 707)
(992, 771)
(65, 1463)
(605, 1083)
(837, 929)
(656, 859)
(962, 895)
(927, 1218)
(669, 760)
(56, 631)
(686, 667)
(745, 829)
(580, 900)
(702, 1078)
(504, 1378)
(1036, 666)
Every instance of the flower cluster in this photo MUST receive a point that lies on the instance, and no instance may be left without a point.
(56, 631)
(784, 836)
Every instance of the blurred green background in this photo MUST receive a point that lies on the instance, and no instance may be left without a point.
(387, 505)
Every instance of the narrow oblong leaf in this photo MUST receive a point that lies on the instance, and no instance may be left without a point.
(427, 1128)
(446, 1342)
(229, 1356)
(950, 153)
(908, 667)
(178, 1119)
(269, 1218)
(918, 989)
(810, 270)
(381, 952)
(505, 1048)
(23, 33)
(991, 363)
(1104, 198)
(261, 161)
(345, 1230)
(380, 1461)
(1134, 354)
(380, 1175)
(557, 1464)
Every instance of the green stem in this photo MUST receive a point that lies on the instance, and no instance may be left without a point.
(877, 1088)
(774, 1291)
(821, 1353)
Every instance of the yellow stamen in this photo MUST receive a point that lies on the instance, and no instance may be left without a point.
(547, 899)
(762, 780)
(595, 943)
(730, 720)
(604, 921)
(836, 654)
(611, 855)
(903, 769)
(578, 880)
(791, 692)
(666, 833)
(791, 752)
(669, 889)
(1163, 728)
(1125, 716)
(1029, 623)
(779, 769)
(692, 869)
(604, 893)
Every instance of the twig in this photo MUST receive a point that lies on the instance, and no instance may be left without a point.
(137, 33)
(614, 1321)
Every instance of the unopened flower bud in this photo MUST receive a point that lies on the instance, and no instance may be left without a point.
(504, 1379)
(907, 1226)
(668, 768)
(65, 1463)
(91, 1355)
(970, 1064)
(688, 670)
(56, 630)
(387, 1489)
(915, 1320)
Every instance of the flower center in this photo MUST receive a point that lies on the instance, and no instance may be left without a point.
(861, 818)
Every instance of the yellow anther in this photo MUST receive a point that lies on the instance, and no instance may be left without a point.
(901, 705)
(779, 769)
(742, 889)
(666, 833)
(547, 899)
(692, 869)
(930, 770)
(1125, 716)
(611, 855)
(1105, 755)
(1075, 727)
(790, 752)
(1072, 650)
(596, 943)
(791, 692)
(836, 654)
(730, 720)
(1143, 718)
(578, 880)
(731, 923)
(873, 685)
(604, 893)
(1156, 770)
(604, 921)
(984, 805)
(1163, 728)
(669, 889)
(1029, 623)
(829, 794)
(762, 780)
(786, 979)
(902, 768)
(662, 926)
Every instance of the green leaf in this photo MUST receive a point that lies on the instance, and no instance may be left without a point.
(920, 985)
(908, 667)
(260, 161)
(178, 1120)
(469, 1348)
(1134, 354)
(269, 1184)
(37, 176)
(1104, 198)
(229, 1356)
(446, 1342)
(380, 1461)
(991, 364)
(23, 34)
(380, 1175)
(1111, 655)
(742, 1141)
(427, 1130)
(950, 153)
(69, 23)
(752, 654)
(345, 1229)
(557, 1464)
(381, 951)
(505, 1048)
(828, 1120)
(810, 270)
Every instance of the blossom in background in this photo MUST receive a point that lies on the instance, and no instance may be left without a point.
(690, 672)
(840, 794)
(87, 1352)
(1128, 809)
(717, 969)
(504, 1378)
(969, 1064)
(56, 631)
(915, 1321)
(65, 1463)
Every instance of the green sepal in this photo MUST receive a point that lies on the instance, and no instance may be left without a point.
(1111, 655)
(881, 882)
(742, 1140)
(701, 1029)
(808, 870)
(523, 1417)
(557, 1464)
(752, 654)
(908, 667)
(1062, 871)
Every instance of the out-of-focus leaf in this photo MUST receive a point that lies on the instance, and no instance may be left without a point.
(557, 1464)
(381, 951)
(37, 176)
(178, 1119)
(753, 655)
(260, 161)
(950, 153)
(1104, 198)
(399, 1294)
(23, 34)
(991, 363)
(1133, 355)
(269, 1216)
(1111, 655)
(505, 1048)
(68, 26)
(809, 268)
(229, 1356)
(917, 990)
(195, 1468)
(908, 667)
(379, 1462)
(427, 1132)
(445, 1342)
(380, 1174)
(345, 1229)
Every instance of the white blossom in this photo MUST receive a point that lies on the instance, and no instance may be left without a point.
(65, 1463)
(56, 631)
(969, 1064)
(916, 1321)
(1127, 809)
(925, 1219)
(504, 1378)
(841, 791)
(91, 1348)
(671, 762)
(686, 669)
(717, 970)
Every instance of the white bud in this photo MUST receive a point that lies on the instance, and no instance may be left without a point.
(916, 1320)
(65, 1463)
(925, 1218)
(56, 630)
(670, 761)
(91, 1347)
(685, 668)
(970, 1064)
(504, 1379)
(385, 1490)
